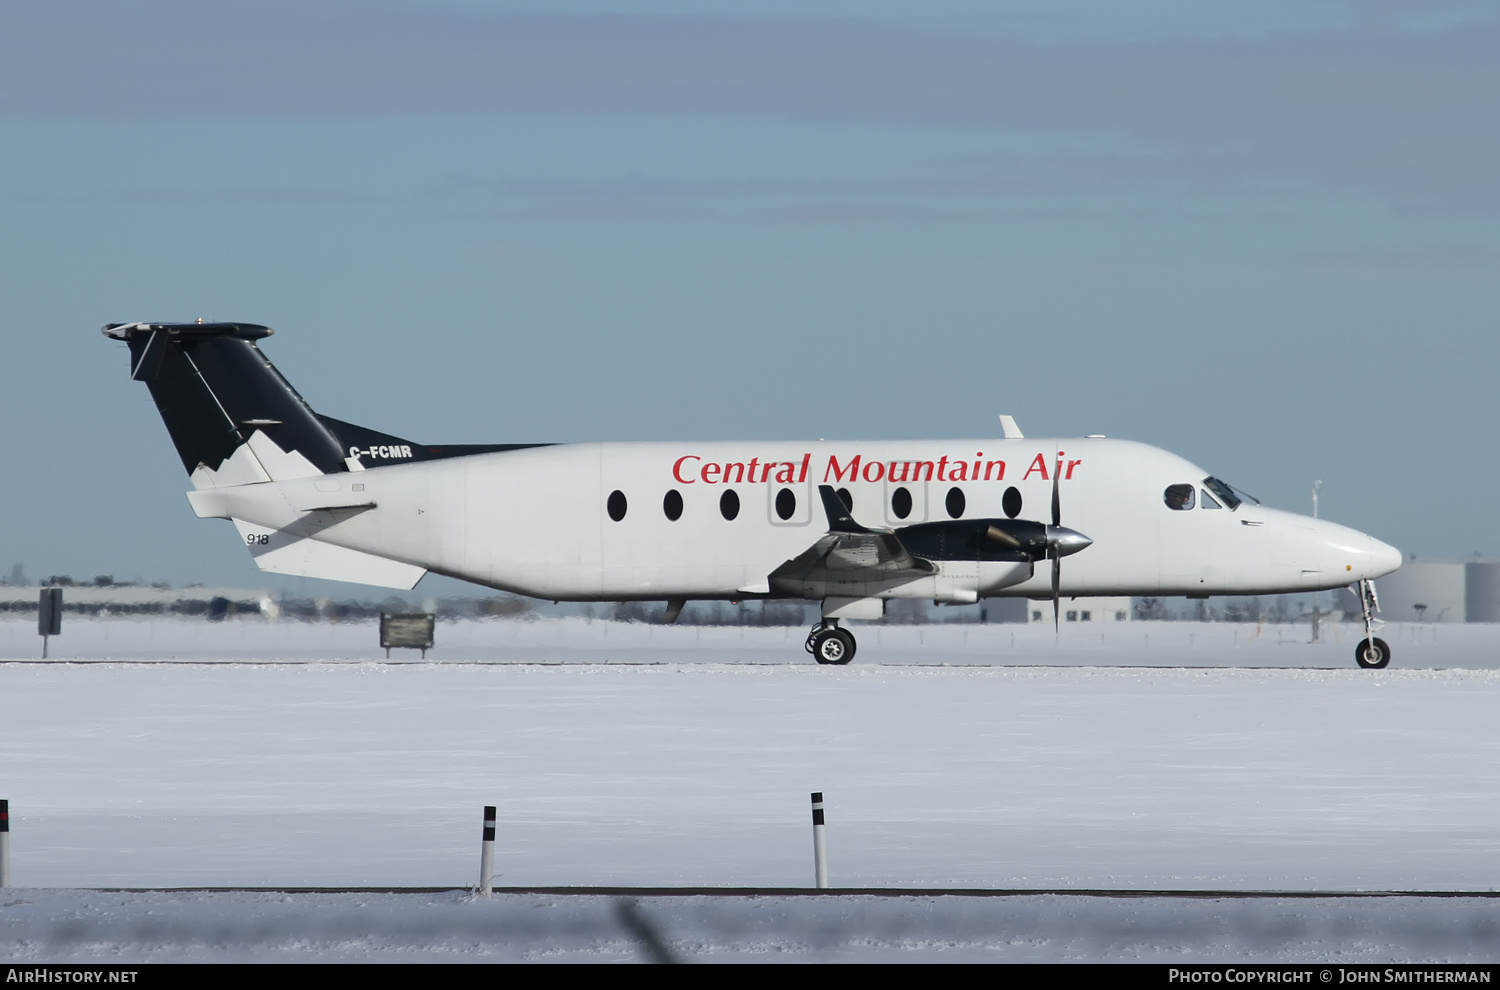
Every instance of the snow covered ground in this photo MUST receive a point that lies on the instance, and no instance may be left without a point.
(576, 640)
(637, 755)
(89, 926)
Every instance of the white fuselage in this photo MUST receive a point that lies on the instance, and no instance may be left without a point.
(536, 521)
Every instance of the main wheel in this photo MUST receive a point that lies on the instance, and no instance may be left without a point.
(1372, 654)
(833, 646)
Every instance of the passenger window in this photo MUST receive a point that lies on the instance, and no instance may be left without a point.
(1179, 497)
(1011, 503)
(786, 503)
(1206, 501)
(729, 504)
(846, 498)
(672, 505)
(955, 502)
(616, 505)
(901, 503)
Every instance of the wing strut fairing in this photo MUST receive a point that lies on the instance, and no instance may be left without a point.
(849, 556)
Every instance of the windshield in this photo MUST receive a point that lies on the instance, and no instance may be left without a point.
(1228, 494)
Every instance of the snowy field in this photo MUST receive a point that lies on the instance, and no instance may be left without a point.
(1169, 756)
(91, 926)
(576, 640)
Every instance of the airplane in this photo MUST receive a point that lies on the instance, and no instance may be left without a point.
(848, 524)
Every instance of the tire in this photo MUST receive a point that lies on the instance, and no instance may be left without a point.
(849, 645)
(1372, 654)
(833, 647)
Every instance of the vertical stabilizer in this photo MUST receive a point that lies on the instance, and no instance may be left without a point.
(232, 416)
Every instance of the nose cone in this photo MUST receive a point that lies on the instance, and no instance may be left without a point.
(1326, 551)
(1359, 556)
(1067, 541)
(1380, 558)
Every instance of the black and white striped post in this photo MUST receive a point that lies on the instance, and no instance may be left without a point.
(487, 854)
(4, 842)
(820, 850)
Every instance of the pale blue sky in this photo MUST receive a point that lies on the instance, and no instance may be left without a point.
(1265, 236)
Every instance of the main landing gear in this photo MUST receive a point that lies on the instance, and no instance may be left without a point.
(829, 644)
(1370, 653)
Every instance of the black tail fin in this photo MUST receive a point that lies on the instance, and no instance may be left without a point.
(223, 402)
(215, 390)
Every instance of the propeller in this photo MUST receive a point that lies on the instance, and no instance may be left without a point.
(1038, 541)
(1033, 540)
(1061, 542)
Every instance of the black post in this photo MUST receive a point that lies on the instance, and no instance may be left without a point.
(4, 842)
(49, 616)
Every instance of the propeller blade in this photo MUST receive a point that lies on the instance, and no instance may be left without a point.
(1056, 497)
(1054, 550)
(1056, 596)
(997, 535)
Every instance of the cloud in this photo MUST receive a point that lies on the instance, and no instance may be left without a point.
(1457, 259)
(268, 195)
(1377, 109)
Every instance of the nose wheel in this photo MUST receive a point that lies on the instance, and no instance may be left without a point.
(1371, 652)
(830, 645)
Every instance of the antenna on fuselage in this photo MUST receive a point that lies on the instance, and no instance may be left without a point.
(1009, 428)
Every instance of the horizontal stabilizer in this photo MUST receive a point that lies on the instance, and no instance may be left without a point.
(284, 554)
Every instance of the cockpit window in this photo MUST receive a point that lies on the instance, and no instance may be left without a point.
(1228, 494)
(1206, 501)
(1178, 497)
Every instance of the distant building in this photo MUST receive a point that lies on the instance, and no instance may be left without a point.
(1422, 591)
(1481, 591)
(1083, 610)
(133, 599)
(1436, 591)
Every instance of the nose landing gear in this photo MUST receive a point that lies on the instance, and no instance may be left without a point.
(1371, 653)
(829, 644)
